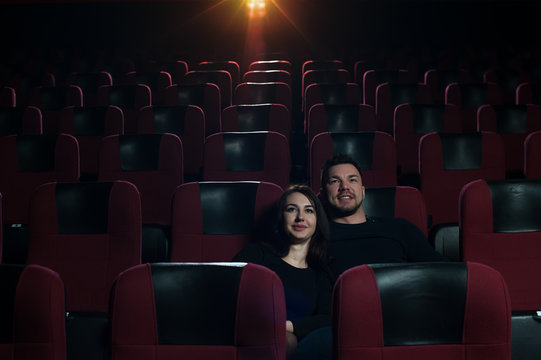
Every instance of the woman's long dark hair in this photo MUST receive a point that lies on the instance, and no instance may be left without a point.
(277, 239)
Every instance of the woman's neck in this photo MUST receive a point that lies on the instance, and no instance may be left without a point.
(297, 255)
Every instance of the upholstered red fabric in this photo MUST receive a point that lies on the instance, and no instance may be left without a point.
(371, 79)
(257, 117)
(220, 78)
(340, 118)
(37, 317)
(411, 122)
(389, 96)
(263, 76)
(24, 160)
(21, 120)
(360, 326)
(89, 259)
(258, 318)
(315, 76)
(156, 175)
(532, 151)
(513, 123)
(213, 221)
(516, 252)
(263, 93)
(258, 156)
(7, 96)
(232, 67)
(441, 183)
(374, 151)
(278, 64)
(89, 82)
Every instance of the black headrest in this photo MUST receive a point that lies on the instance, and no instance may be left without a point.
(473, 95)
(36, 153)
(404, 93)
(196, 304)
(53, 98)
(11, 121)
(511, 119)
(422, 303)
(140, 152)
(462, 151)
(122, 96)
(169, 119)
(360, 146)
(89, 121)
(380, 202)
(228, 207)
(253, 117)
(516, 205)
(245, 151)
(342, 118)
(9, 278)
(193, 94)
(333, 93)
(83, 208)
(428, 118)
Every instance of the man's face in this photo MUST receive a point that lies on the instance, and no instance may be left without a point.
(345, 191)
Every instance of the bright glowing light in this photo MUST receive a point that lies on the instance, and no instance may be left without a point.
(256, 7)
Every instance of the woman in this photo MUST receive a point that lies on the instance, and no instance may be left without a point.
(295, 247)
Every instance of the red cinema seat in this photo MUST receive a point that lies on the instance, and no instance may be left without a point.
(257, 117)
(532, 155)
(263, 93)
(220, 78)
(420, 311)
(213, 221)
(240, 309)
(21, 120)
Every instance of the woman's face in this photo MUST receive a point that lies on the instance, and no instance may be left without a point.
(300, 218)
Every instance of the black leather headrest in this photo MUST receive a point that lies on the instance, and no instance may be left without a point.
(333, 93)
(140, 152)
(169, 119)
(52, 98)
(516, 205)
(228, 207)
(196, 303)
(473, 95)
(428, 118)
(511, 119)
(9, 278)
(122, 96)
(253, 118)
(191, 94)
(380, 202)
(342, 118)
(83, 208)
(245, 152)
(462, 151)
(404, 94)
(360, 146)
(422, 303)
(36, 153)
(89, 121)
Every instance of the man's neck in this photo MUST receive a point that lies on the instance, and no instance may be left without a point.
(357, 218)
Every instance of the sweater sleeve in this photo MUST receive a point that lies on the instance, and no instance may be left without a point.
(418, 247)
(322, 316)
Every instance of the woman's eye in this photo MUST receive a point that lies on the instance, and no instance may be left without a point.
(309, 211)
(290, 209)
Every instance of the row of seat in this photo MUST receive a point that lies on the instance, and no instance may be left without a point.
(241, 312)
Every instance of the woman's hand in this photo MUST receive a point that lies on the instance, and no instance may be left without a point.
(291, 340)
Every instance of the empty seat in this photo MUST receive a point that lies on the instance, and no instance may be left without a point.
(51, 100)
(26, 162)
(397, 201)
(155, 306)
(438, 80)
(259, 155)
(310, 77)
(262, 76)
(157, 81)
(319, 64)
(89, 233)
(508, 80)
(469, 98)
(185, 121)
(232, 67)
(263, 93)
(374, 152)
(32, 316)
(220, 78)
(89, 82)
(528, 93)
(389, 96)
(257, 117)
(89, 124)
(411, 122)
(129, 98)
(154, 164)
(213, 221)
(205, 96)
(7, 96)
(373, 78)
(340, 118)
(263, 65)
(421, 311)
(23, 83)
(447, 162)
(21, 120)
(532, 158)
(176, 68)
(513, 123)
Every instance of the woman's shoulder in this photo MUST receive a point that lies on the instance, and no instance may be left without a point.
(255, 252)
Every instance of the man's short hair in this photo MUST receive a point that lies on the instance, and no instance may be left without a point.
(337, 159)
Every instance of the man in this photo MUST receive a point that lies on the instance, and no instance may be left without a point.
(358, 239)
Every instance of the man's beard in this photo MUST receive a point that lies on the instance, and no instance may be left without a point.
(336, 212)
